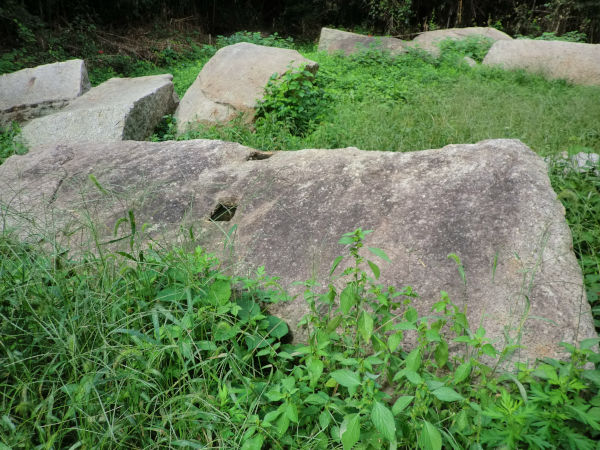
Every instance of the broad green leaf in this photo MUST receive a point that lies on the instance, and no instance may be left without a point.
(350, 430)
(383, 420)
(401, 404)
(410, 375)
(430, 438)
(347, 299)
(411, 314)
(334, 323)
(321, 398)
(546, 372)
(413, 360)
(462, 372)
(324, 419)
(374, 269)
(365, 326)
(291, 411)
(441, 354)
(254, 443)
(315, 369)
(489, 350)
(433, 336)
(394, 341)
(270, 417)
(588, 344)
(380, 253)
(282, 424)
(346, 378)
(277, 328)
(336, 263)
(592, 375)
(447, 394)
(220, 292)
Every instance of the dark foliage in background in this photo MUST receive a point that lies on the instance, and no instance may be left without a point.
(26, 20)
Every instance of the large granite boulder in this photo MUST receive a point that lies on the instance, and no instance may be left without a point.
(232, 81)
(118, 109)
(430, 40)
(332, 41)
(571, 61)
(41, 90)
(490, 203)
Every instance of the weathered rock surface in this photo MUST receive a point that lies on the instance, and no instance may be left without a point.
(571, 61)
(430, 40)
(332, 41)
(41, 90)
(232, 81)
(485, 202)
(118, 109)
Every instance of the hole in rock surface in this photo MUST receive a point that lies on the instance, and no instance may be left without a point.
(258, 156)
(224, 211)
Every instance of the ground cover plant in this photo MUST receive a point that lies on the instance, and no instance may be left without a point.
(161, 348)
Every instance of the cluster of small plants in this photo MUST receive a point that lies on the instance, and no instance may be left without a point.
(156, 347)
(292, 100)
(10, 144)
(268, 40)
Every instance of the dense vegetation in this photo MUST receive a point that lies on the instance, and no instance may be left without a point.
(159, 348)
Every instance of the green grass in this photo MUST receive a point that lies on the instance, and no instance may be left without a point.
(414, 103)
(160, 349)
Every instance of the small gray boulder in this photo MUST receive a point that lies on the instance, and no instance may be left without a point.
(332, 41)
(232, 82)
(119, 109)
(575, 62)
(41, 90)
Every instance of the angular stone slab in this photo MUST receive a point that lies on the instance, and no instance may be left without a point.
(490, 203)
(119, 109)
(41, 90)
(430, 40)
(232, 81)
(332, 41)
(575, 62)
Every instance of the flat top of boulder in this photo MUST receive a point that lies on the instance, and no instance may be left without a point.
(47, 83)
(237, 74)
(122, 91)
(572, 61)
(490, 203)
(332, 41)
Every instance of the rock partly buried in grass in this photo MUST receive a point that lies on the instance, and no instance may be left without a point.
(430, 40)
(119, 109)
(490, 203)
(232, 82)
(575, 62)
(332, 41)
(41, 90)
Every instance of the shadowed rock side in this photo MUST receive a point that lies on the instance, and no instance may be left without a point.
(232, 82)
(41, 90)
(572, 61)
(486, 201)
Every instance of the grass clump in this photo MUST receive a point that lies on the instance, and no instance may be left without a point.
(579, 191)
(163, 349)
